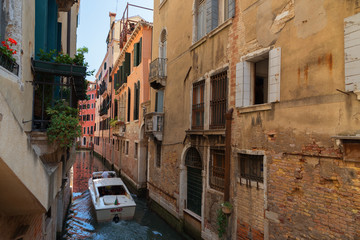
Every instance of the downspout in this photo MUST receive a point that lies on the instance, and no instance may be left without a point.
(228, 117)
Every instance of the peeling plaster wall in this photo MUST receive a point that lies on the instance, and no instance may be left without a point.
(311, 192)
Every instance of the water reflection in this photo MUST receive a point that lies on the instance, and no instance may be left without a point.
(81, 224)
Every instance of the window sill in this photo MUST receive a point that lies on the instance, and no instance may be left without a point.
(192, 214)
(206, 132)
(9, 75)
(211, 33)
(255, 108)
(162, 4)
(242, 181)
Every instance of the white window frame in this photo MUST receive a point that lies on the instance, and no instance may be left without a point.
(244, 80)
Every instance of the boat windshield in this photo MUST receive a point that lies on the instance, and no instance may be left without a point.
(111, 190)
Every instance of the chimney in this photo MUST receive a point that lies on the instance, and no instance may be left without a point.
(112, 18)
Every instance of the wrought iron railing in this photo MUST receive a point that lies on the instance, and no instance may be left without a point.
(158, 69)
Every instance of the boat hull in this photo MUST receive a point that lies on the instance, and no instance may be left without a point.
(123, 213)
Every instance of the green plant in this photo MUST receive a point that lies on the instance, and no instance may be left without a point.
(222, 222)
(54, 56)
(64, 125)
(227, 205)
(113, 122)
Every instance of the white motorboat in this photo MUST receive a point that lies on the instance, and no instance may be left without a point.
(110, 197)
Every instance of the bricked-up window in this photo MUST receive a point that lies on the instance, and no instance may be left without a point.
(218, 100)
(158, 155)
(198, 105)
(251, 169)
(217, 169)
(136, 150)
(126, 147)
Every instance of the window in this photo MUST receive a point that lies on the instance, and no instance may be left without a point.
(88, 117)
(217, 169)
(158, 154)
(198, 105)
(88, 106)
(92, 117)
(210, 14)
(127, 148)
(95, 127)
(123, 146)
(251, 169)
(91, 130)
(258, 79)
(136, 150)
(129, 104)
(84, 130)
(162, 44)
(159, 101)
(87, 130)
(137, 53)
(218, 100)
(200, 19)
(136, 100)
(352, 60)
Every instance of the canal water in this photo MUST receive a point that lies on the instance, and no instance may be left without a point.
(81, 223)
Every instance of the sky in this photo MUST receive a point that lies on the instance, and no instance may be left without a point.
(94, 24)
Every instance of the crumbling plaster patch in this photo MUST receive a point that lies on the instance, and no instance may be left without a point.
(310, 17)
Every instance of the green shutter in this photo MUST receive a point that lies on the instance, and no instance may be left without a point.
(139, 50)
(121, 75)
(127, 65)
(136, 45)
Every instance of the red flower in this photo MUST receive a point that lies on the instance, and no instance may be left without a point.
(14, 52)
(12, 41)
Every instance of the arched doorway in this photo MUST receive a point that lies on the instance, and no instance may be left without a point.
(194, 180)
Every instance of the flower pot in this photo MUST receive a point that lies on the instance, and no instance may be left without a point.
(226, 210)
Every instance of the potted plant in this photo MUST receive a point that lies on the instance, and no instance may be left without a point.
(226, 207)
(6, 55)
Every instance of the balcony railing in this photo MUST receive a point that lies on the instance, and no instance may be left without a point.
(9, 64)
(158, 73)
(154, 124)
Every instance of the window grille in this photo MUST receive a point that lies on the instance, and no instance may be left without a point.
(193, 158)
(217, 169)
(218, 100)
(251, 168)
(198, 105)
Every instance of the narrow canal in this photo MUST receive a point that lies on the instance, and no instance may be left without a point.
(81, 223)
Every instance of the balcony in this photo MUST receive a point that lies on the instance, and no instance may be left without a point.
(154, 124)
(103, 88)
(158, 73)
(119, 128)
(53, 82)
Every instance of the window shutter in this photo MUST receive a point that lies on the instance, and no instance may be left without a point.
(139, 50)
(212, 14)
(115, 80)
(231, 8)
(129, 104)
(274, 74)
(135, 57)
(352, 52)
(121, 73)
(243, 84)
(160, 101)
(127, 65)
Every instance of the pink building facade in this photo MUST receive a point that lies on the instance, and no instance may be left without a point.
(87, 117)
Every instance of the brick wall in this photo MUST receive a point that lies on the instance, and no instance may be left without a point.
(250, 212)
(9, 226)
(315, 197)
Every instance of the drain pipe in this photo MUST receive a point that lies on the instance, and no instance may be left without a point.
(228, 117)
